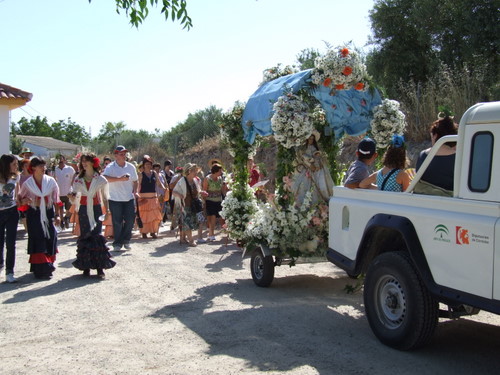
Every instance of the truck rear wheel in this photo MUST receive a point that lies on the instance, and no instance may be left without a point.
(262, 269)
(400, 310)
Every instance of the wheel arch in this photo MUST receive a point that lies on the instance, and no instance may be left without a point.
(384, 233)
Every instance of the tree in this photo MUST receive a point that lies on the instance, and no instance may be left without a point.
(35, 126)
(63, 130)
(199, 125)
(110, 131)
(412, 37)
(138, 10)
(16, 145)
(71, 132)
(403, 43)
(306, 58)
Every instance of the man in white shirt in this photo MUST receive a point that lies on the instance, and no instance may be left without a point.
(122, 178)
(64, 175)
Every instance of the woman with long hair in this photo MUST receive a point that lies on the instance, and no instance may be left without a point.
(439, 175)
(37, 196)
(91, 193)
(149, 207)
(9, 217)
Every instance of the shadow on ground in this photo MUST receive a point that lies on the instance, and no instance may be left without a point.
(309, 320)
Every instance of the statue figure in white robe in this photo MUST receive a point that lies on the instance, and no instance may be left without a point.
(312, 173)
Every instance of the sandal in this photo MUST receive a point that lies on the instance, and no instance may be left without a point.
(192, 244)
(183, 241)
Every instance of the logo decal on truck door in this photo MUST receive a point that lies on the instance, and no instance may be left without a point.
(462, 236)
(442, 233)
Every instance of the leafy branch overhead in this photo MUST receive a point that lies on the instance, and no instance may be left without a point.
(138, 10)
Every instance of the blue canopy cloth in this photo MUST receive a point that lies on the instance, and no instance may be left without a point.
(348, 111)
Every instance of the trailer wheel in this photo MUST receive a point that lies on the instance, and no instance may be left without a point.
(262, 269)
(400, 310)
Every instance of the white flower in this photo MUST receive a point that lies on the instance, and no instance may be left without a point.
(291, 122)
(387, 120)
(340, 68)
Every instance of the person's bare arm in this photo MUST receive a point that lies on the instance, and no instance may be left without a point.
(369, 182)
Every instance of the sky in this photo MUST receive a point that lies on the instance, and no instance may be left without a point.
(86, 62)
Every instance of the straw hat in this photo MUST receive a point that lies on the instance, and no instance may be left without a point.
(26, 153)
(188, 167)
(214, 161)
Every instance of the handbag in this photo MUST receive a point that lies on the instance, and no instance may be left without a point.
(196, 203)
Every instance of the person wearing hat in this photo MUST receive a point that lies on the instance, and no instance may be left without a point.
(185, 192)
(122, 178)
(312, 173)
(359, 170)
(26, 153)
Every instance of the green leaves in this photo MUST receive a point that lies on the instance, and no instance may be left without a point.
(413, 37)
(138, 10)
(64, 130)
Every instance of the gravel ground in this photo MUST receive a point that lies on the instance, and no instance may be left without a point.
(170, 309)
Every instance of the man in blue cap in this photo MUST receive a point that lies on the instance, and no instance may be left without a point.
(359, 170)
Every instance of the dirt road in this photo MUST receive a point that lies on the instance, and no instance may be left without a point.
(170, 309)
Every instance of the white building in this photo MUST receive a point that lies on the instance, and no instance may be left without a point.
(10, 98)
(48, 147)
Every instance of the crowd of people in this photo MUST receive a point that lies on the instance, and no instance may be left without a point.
(105, 201)
(101, 203)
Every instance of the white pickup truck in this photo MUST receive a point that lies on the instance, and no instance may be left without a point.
(420, 250)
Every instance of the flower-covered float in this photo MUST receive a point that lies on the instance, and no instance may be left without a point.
(307, 113)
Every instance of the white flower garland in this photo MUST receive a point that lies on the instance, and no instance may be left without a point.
(292, 122)
(387, 120)
(278, 71)
(288, 228)
(340, 69)
(237, 214)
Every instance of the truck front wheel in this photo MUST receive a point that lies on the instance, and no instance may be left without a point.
(262, 269)
(400, 310)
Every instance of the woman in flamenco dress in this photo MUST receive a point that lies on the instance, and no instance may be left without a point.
(37, 198)
(90, 191)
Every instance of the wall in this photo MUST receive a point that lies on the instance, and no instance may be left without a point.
(4, 129)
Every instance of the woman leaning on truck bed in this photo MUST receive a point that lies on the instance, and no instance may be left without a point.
(438, 177)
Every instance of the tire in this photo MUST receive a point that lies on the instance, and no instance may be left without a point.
(262, 269)
(400, 310)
